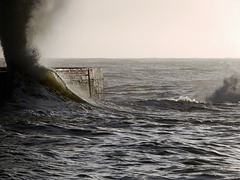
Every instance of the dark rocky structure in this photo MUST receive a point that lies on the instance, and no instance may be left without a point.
(83, 81)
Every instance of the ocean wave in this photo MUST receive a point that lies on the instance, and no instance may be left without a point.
(184, 99)
(180, 104)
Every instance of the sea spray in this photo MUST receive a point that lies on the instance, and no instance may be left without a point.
(20, 57)
(14, 18)
(44, 17)
(228, 92)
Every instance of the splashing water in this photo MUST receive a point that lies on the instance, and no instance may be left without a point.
(228, 92)
(20, 57)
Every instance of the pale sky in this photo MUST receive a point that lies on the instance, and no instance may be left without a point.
(145, 28)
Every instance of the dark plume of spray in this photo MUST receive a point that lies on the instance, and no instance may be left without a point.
(17, 28)
(14, 18)
(16, 32)
(228, 92)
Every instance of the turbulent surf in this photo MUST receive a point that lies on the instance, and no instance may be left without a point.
(154, 123)
(161, 118)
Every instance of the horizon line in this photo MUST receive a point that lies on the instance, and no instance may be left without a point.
(136, 58)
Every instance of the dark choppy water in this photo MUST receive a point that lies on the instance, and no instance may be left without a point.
(153, 124)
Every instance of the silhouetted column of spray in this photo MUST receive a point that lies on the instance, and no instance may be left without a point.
(14, 16)
(15, 30)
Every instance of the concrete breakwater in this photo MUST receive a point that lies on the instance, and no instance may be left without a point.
(83, 81)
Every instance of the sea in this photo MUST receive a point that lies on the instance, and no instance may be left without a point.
(160, 119)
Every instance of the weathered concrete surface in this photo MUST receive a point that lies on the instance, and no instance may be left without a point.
(84, 81)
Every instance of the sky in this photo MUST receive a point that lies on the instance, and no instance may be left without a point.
(144, 29)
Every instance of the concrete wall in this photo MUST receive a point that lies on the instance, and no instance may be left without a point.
(83, 81)
(86, 82)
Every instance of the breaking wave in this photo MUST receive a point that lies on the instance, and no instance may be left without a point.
(228, 92)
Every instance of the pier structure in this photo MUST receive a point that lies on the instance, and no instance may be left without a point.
(83, 81)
